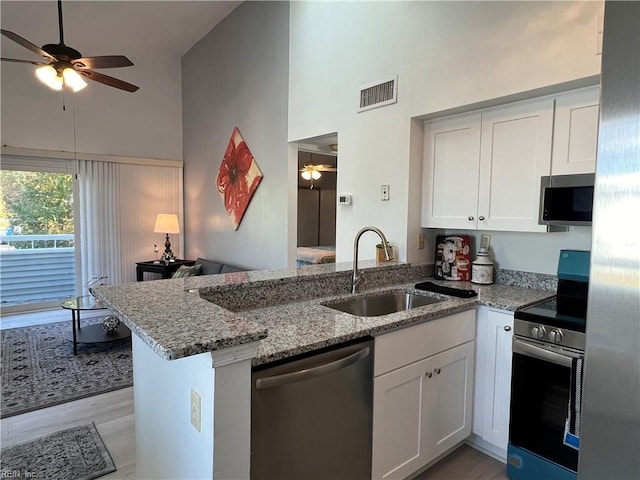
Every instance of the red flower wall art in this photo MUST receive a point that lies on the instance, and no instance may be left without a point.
(238, 178)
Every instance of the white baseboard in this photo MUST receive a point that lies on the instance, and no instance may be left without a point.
(487, 448)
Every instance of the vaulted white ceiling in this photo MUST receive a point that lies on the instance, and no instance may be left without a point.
(152, 34)
(163, 30)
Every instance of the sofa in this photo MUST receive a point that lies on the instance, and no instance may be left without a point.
(213, 267)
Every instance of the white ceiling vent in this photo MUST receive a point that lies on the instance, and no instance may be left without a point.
(379, 94)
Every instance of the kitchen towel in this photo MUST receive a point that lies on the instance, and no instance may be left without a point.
(574, 415)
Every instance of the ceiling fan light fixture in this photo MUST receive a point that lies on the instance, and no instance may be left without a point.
(73, 79)
(310, 172)
(49, 76)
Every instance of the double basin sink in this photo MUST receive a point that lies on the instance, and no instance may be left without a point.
(382, 303)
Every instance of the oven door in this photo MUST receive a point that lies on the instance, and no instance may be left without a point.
(540, 395)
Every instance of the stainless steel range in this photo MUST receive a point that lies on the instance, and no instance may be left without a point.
(546, 383)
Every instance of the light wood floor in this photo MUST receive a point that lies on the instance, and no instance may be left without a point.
(113, 414)
(465, 463)
(114, 417)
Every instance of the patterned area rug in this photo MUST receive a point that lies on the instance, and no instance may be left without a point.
(76, 453)
(39, 369)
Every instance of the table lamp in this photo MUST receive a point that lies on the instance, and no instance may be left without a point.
(167, 223)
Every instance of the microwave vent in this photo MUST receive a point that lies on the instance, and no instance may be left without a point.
(378, 94)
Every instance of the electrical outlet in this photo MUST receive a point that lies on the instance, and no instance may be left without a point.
(420, 241)
(195, 409)
(384, 192)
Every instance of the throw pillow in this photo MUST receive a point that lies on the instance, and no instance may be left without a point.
(186, 271)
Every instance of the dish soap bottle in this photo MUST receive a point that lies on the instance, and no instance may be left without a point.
(482, 266)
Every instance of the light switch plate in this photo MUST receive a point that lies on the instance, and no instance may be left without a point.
(485, 241)
(384, 192)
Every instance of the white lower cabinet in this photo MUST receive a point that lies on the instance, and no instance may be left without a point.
(493, 381)
(422, 409)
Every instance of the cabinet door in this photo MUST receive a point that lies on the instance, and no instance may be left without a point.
(450, 172)
(397, 418)
(515, 154)
(448, 400)
(575, 135)
(493, 377)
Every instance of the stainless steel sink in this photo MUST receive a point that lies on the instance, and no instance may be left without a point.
(382, 304)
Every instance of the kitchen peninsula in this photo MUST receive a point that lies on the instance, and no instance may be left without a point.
(196, 339)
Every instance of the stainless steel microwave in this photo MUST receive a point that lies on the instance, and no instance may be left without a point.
(566, 199)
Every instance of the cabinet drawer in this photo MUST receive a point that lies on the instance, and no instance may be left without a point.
(402, 347)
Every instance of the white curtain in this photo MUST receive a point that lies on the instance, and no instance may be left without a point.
(97, 225)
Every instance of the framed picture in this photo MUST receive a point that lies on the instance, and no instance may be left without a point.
(453, 257)
(238, 178)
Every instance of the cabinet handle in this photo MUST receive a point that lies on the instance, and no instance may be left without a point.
(470, 219)
(480, 218)
(507, 328)
(437, 370)
(429, 374)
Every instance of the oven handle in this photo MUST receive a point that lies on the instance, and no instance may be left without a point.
(531, 350)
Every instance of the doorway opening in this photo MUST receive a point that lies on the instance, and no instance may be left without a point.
(317, 194)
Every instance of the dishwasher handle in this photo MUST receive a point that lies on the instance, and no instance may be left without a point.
(304, 374)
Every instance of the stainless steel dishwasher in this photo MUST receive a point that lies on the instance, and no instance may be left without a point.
(311, 418)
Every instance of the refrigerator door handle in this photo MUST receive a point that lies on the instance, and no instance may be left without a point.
(286, 378)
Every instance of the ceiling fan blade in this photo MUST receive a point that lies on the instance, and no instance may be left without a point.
(26, 44)
(105, 61)
(22, 61)
(107, 80)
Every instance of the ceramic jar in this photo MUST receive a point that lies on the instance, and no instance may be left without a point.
(482, 268)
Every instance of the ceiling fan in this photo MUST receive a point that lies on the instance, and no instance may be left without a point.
(312, 172)
(67, 66)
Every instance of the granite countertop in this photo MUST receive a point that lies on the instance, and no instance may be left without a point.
(301, 327)
(176, 323)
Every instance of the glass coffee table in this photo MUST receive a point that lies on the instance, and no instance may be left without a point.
(94, 333)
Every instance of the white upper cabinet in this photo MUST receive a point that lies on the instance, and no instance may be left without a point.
(515, 153)
(450, 177)
(576, 132)
(482, 170)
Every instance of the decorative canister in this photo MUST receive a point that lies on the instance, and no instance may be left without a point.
(380, 253)
(482, 268)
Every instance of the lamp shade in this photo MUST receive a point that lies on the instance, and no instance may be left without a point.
(167, 223)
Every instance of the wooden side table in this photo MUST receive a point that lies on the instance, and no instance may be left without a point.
(166, 270)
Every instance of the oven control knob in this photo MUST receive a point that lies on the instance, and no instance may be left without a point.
(538, 331)
(555, 335)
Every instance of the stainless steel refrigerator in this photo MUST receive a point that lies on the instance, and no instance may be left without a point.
(610, 434)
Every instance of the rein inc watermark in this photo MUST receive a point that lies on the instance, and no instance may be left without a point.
(7, 473)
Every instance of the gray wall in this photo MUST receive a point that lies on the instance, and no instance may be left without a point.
(237, 75)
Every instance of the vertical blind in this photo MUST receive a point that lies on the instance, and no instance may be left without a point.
(97, 230)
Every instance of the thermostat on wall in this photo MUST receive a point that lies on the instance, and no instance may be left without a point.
(344, 200)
